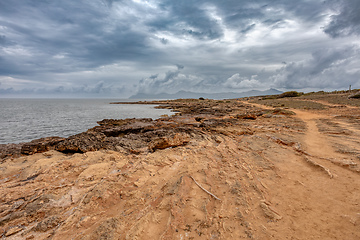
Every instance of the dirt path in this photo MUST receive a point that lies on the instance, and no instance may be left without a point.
(315, 143)
(317, 190)
(328, 104)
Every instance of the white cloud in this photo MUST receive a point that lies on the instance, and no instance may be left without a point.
(238, 82)
(172, 81)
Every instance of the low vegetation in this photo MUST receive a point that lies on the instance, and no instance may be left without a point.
(290, 94)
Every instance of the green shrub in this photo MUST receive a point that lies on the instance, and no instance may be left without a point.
(290, 94)
(269, 97)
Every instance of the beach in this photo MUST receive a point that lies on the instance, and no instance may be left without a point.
(249, 168)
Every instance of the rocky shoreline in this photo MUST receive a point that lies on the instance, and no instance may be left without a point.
(139, 135)
(258, 169)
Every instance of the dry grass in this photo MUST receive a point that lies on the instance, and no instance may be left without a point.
(290, 103)
(312, 100)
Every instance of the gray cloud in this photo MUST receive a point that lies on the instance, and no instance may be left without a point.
(158, 83)
(186, 18)
(327, 68)
(176, 80)
(4, 41)
(64, 46)
(179, 66)
(346, 21)
(75, 30)
(100, 89)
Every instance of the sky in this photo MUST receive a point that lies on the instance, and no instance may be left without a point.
(117, 48)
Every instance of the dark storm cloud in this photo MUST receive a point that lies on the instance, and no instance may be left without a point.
(243, 14)
(73, 29)
(191, 18)
(347, 19)
(187, 18)
(64, 46)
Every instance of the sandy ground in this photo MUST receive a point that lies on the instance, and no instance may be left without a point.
(281, 177)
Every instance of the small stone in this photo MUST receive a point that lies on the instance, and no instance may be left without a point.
(13, 231)
(246, 116)
(269, 211)
(47, 224)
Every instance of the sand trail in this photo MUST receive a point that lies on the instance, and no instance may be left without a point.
(315, 142)
(315, 185)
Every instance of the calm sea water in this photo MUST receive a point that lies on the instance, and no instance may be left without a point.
(23, 120)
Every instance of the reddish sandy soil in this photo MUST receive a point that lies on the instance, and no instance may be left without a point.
(274, 176)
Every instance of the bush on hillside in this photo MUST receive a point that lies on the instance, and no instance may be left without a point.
(290, 94)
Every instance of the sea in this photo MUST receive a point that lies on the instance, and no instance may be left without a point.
(23, 120)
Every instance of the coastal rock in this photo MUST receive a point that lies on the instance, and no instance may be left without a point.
(249, 116)
(40, 145)
(175, 140)
(121, 122)
(10, 150)
(47, 224)
(119, 128)
(81, 143)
